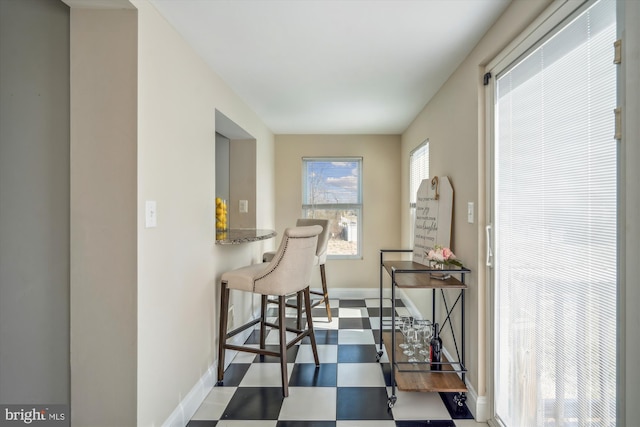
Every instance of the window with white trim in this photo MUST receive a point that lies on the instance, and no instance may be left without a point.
(418, 170)
(332, 189)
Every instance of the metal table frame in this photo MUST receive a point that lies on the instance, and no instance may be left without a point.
(461, 397)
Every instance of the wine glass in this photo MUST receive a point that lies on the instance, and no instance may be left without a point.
(416, 341)
(406, 323)
(427, 334)
(412, 337)
(420, 326)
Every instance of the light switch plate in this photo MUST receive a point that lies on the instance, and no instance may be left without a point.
(150, 214)
(470, 212)
(244, 206)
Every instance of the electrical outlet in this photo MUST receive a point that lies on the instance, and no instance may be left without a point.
(470, 213)
(150, 214)
(244, 206)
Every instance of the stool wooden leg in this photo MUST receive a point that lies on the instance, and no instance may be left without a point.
(283, 344)
(222, 335)
(312, 335)
(299, 314)
(263, 320)
(323, 276)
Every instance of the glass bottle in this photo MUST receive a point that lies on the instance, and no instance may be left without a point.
(435, 349)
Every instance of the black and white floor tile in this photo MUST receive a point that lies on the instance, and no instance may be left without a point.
(349, 389)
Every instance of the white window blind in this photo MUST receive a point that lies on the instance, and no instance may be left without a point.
(555, 222)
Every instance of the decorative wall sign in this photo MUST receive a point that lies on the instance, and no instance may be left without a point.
(434, 210)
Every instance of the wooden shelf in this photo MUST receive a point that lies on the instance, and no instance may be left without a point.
(414, 275)
(417, 377)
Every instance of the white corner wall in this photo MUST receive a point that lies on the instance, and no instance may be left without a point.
(179, 265)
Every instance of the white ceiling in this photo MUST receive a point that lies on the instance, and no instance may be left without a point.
(333, 66)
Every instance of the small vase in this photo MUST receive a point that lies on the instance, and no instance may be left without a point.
(439, 266)
(436, 265)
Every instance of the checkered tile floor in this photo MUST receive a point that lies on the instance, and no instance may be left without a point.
(349, 389)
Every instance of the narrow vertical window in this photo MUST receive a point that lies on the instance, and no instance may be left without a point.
(418, 170)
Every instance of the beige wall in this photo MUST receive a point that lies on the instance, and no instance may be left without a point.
(629, 215)
(454, 123)
(242, 173)
(103, 217)
(34, 202)
(381, 198)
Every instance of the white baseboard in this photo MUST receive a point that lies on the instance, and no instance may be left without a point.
(483, 411)
(189, 405)
(478, 405)
(357, 293)
(193, 399)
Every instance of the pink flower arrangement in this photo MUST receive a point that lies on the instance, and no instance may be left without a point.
(443, 256)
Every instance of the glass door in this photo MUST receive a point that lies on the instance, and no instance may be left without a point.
(554, 221)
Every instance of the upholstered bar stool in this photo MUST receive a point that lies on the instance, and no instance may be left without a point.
(289, 272)
(321, 259)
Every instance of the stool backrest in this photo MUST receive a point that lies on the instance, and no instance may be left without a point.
(290, 269)
(323, 238)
